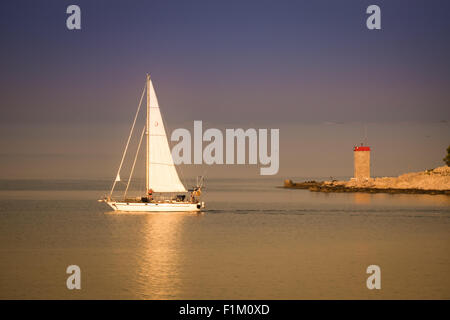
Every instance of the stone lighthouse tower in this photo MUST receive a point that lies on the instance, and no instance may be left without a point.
(361, 157)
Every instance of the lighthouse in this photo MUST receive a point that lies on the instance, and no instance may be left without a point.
(361, 156)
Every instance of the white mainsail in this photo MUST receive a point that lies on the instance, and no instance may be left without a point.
(162, 174)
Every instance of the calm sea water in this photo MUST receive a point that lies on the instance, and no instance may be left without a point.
(254, 241)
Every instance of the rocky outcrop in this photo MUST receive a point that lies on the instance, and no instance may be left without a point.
(434, 181)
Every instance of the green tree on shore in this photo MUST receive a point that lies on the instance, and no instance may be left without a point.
(447, 158)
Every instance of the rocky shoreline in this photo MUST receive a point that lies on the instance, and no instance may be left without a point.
(317, 186)
(434, 182)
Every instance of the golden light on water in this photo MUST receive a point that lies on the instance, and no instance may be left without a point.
(159, 272)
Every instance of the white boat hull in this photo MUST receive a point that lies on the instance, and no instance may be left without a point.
(154, 206)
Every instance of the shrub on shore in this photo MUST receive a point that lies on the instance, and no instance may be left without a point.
(447, 158)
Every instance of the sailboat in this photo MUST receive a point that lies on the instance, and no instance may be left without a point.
(164, 191)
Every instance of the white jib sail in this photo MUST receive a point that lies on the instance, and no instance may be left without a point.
(162, 174)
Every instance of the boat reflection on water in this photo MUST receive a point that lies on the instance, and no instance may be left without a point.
(158, 272)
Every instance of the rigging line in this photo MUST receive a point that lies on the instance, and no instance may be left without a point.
(134, 162)
(204, 175)
(201, 179)
(163, 164)
(128, 142)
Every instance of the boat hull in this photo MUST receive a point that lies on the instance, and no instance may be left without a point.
(154, 207)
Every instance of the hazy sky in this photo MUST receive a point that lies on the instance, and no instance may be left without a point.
(310, 68)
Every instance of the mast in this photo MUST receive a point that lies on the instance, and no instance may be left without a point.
(147, 132)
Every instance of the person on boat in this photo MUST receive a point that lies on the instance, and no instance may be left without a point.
(150, 195)
(196, 193)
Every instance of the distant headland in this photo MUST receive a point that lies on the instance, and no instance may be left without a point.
(433, 181)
